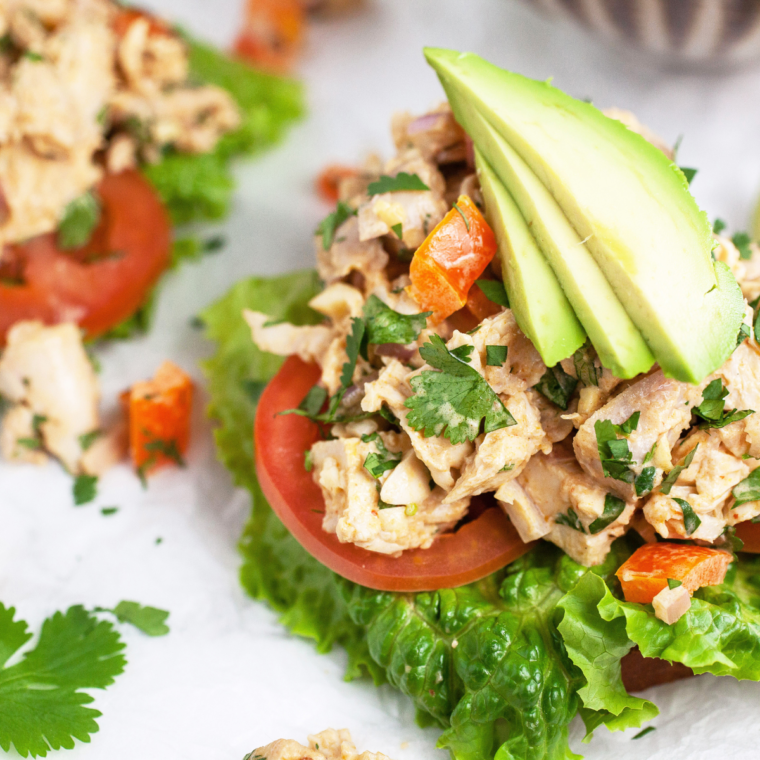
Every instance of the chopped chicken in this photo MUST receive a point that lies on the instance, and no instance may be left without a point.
(551, 485)
(443, 458)
(407, 483)
(746, 271)
(327, 745)
(596, 384)
(352, 498)
(417, 211)
(338, 301)
(665, 406)
(630, 121)
(308, 342)
(46, 371)
(435, 135)
(19, 438)
(671, 604)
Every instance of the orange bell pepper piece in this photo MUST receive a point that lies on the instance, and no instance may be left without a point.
(450, 259)
(646, 572)
(272, 35)
(159, 419)
(479, 305)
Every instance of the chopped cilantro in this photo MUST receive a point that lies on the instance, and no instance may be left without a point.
(744, 332)
(742, 241)
(461, 213)
(384, 325)
(507, 467)
(670, 480)
(308, 464)
(627, 427)
(401, 182)
(718, 226)
(691, 520)
(85, 489)
(328, 226)
(689, 173)
(650, 454)
(87, 439)
(614, 453)
(80, 217)
(613, 508)
(644, 482)
(496, 356)
(463, 352)
(585, 365)
(382, 461)
(32, 56)
(149, 620)
(557, 386)
(673, 583)
(398, 229)
(571, 520)
(494, 291)
(644, 732)
(453, 401)
(34, 444)
(712, 408)
(313, 401)
(748, 489)
(42, 693)
(108, 511)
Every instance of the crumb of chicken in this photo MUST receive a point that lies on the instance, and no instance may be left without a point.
(326, 745)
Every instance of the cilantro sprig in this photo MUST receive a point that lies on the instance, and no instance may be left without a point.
(384, 325)
(401, 182)
(712, 409)
(557, 386)
(455, 401)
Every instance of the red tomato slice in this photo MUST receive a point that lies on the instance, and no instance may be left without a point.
(749, 532)
(477, 549)
(106, 281)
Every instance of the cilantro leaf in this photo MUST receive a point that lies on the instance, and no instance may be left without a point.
(149, 620)
(644, 481)
(80, 217)
(748, 489)
(712, 408)
(673, 583)
(718, 226)
(328, 226)
(613, 508)
(557, 386)
(455, 400)
(382, 461)
(586, 368)
(494, 291)
(627, 427)
(401, 182)
(496, 356)
(463, 352)
(384, 325)
(742, 242)
(614, 453)
(87, 439)
(670, 480)
(571, 520)
(398, 229)
(314, 401)
(85, 489)
(689, 173)
(41, 695)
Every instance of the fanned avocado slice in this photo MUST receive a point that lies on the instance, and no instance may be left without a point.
(617, 341)
(540, 307)
(625, 199)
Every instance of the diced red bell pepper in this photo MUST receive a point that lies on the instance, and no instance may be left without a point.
(646, 572)
(450, 259)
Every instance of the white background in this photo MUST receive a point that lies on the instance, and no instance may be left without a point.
(228, 678)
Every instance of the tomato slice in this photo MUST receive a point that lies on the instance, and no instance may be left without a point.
(478, 548)
(106, 281)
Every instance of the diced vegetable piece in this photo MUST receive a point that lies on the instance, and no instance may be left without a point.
(329, 179)
(272, 34)
(450, 259)
(647, 570)
(671, 604)
(159, 419)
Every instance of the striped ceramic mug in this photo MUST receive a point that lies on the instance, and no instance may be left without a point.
(715, 32)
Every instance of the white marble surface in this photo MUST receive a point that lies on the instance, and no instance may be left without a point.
(228, 678)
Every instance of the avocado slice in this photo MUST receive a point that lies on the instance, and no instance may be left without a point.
(617, 341)
(627, 201)
(541, 309)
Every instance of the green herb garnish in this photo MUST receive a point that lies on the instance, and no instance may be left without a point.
(670, 480)
(79, 220)
(494, 291)
(382, 461)
(712, 408)
(557, 386)
(85, 489)
(328, 226)
(401, 182)
(691, 520)
(613, 508)
(496, 356)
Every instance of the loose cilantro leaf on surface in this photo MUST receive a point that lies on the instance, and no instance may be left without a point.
(382, 461)
(80, 217)
(644, 731)
(644, 481)
(557, 386)
(712, 408)
(454, 401)
(571, 520)
(108, 511)
(742, 242)
(85, 489)
(401, 182)
(614, 453)
(494, 291)
(329, 225)
(384, 325)
(691, 520)
(613, 508)
(672, 476)
(496, 356)
(149, 620)
(586, 368)
(718, 226)
(42, 695)
(748, 489)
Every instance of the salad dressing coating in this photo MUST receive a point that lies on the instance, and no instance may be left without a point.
(544, 467)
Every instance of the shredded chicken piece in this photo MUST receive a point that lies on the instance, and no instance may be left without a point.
(431, 134)
(327, 745)
(671, 604)
(309, 342)
(746, 271)
(630, 121)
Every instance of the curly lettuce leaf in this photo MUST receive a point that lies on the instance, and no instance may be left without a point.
(196, 187)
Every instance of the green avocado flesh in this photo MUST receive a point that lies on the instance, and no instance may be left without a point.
(540, 307)
(628, 204)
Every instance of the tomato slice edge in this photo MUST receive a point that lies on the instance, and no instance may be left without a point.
(476, 550)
